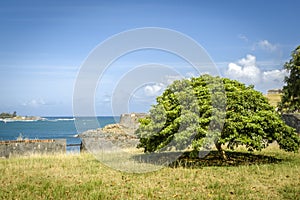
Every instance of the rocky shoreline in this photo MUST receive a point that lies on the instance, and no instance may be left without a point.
(120, 135)
(111, 131)
(112, 136)
(21, 118)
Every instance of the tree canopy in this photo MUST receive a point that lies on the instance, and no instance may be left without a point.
(8, 115)
(195, 112)
(290, 101)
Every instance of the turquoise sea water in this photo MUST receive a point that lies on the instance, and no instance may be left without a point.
(49, 128)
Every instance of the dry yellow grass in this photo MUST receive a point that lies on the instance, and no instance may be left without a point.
(84, 177)
(274, 99)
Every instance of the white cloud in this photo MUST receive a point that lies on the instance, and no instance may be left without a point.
(154, 90)
(191, 74)
(106, 98)
(266, 45)
(247, 71)
(34, 103)
(169, 79)
(274, 75)
(243, 37)
(244, 70)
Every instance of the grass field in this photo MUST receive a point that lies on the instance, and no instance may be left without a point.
(274, 99)
(84, 177)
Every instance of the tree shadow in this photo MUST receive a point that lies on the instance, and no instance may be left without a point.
(212, 158)
(188, 160)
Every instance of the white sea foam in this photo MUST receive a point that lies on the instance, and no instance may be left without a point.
(66, 119)
(60, 119)
(17, 120)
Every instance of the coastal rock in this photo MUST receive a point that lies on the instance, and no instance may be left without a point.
(22, 118)
(120, 135)
(111, 131)
(131, 120)
(292, 120)
(112, 136)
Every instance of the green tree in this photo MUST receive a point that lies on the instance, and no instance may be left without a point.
(290, 101)
(195, 112)
(5, 115)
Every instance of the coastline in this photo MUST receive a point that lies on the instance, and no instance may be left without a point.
(21, 118)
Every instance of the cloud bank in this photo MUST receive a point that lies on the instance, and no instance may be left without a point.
(266, 46)
(34, 103)
(154, 90)
(247, 71)
(244, 70)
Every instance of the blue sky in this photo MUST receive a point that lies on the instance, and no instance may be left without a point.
(44, 43)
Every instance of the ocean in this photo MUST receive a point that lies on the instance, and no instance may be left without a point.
(50, 128)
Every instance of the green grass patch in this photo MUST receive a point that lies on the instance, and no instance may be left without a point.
(270, 174)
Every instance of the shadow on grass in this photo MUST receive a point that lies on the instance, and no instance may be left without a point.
(189, 160)
(213, 159)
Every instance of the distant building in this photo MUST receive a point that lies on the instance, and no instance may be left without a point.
(275, 91)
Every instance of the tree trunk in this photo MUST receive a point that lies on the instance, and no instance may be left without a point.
(221, 151)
